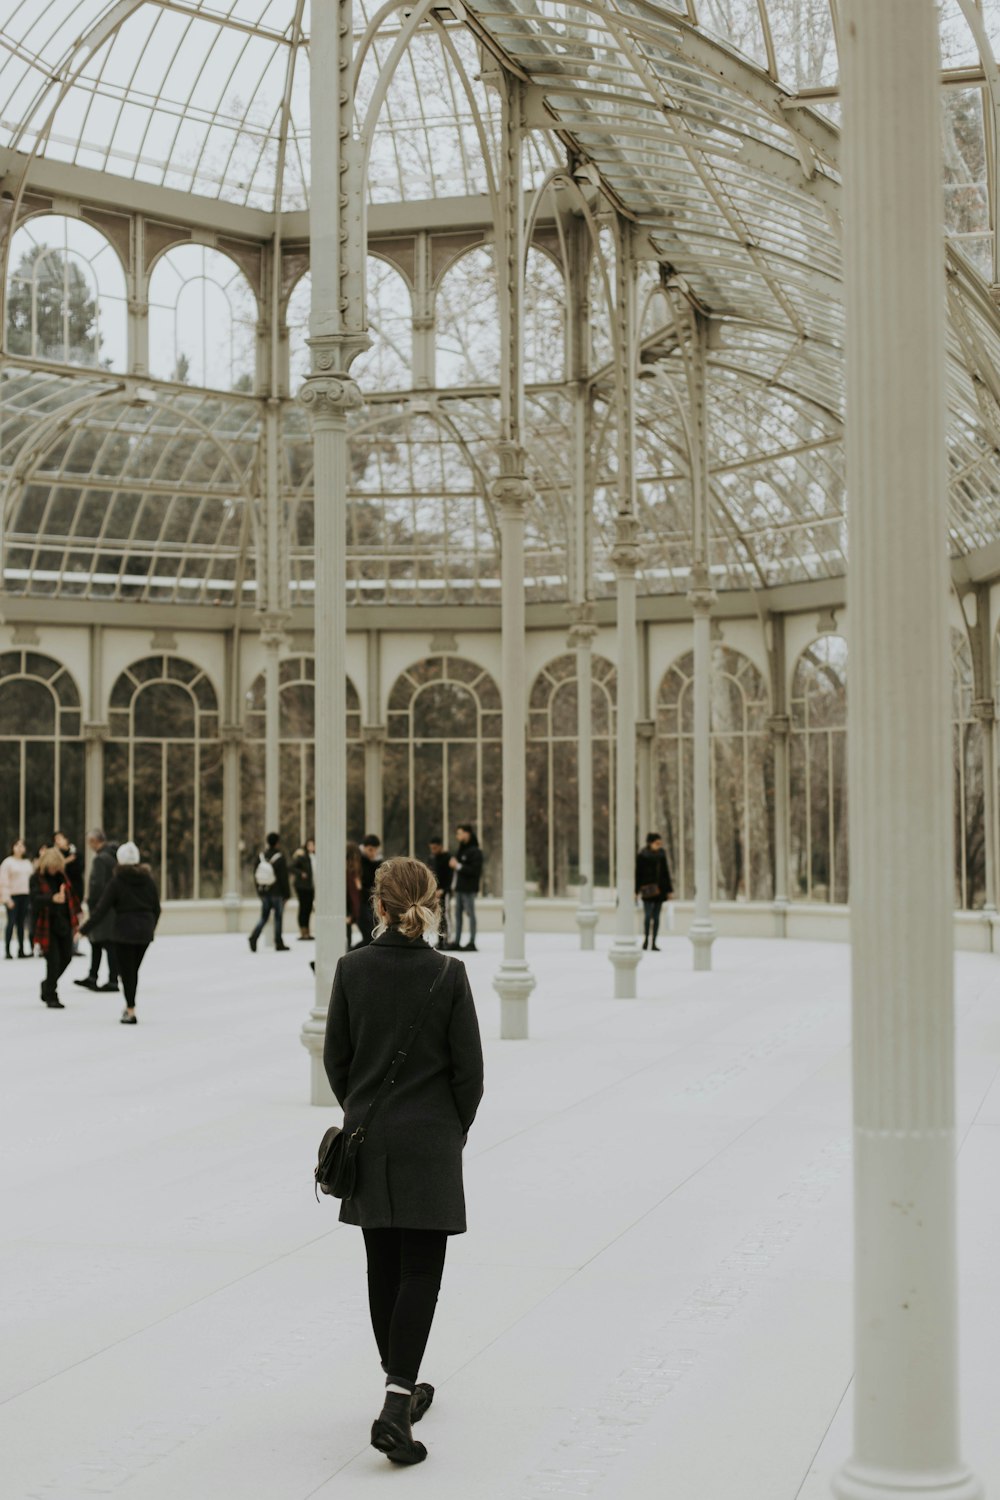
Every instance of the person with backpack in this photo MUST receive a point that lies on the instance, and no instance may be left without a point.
(274, 889)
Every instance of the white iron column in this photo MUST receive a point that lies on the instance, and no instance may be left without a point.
(337, 335)
(231, 735)
(373, 735)
(906, 1439)
(272, 638)
(514, 980)
(581, 640)
(625, 950)
(95, 733)
(779, 727)
(985, 710)
(645, 730)
(702, 930)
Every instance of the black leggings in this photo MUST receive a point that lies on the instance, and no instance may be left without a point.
(58, 956)
(651, 918)
(128, 957)
(17, 915)
(404, 1277)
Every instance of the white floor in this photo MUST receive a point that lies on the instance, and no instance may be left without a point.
(653, 1299)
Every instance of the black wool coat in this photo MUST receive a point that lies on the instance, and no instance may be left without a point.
(410, 1164)
(131, 898)
(103, 869)
(651, 868)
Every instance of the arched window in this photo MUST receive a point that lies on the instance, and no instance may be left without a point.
(202, 320)
(41, 750)
(742, 777)
(66, 296)
(297, 739)
(817, 773)
(388, 364)
(544, 319)
(553, 776)
(442, 759)
(970, 821)
(468, 321)
(163, 774)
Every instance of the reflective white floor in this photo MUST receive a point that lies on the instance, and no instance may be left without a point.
(653, 1298)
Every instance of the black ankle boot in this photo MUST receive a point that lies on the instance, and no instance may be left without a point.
(423, 1395)
(392, 1433)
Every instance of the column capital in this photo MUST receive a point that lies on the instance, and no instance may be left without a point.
(272, 626)
(779, 725)
(984, 709)
(231, 734)
(626, 554)
(512, 489)
(645, 729)
(95, 733)
(374, 734)
(582, 630)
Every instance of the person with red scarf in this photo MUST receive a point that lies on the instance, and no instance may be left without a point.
(57, 916)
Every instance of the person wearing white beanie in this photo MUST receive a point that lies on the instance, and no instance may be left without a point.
(131, 894)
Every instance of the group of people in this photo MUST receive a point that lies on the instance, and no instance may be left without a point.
(457, 878)
(44, 901)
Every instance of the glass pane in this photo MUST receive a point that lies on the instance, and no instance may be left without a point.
(491, 828)
(39, 792)
(252, 828)
(179, 833)
(355, 792)
(565, 816)
(10, 795)
(71, 806)
(395, 798)
(537, 822)
(297, 719)
(290, 797)
(429, 808)
(210, 823)
(26, 705)
(444, 710)
(146, 806)
(603, 815)
(164, 710)
(116, 781)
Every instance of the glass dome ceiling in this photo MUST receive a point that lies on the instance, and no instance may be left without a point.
(712, 125)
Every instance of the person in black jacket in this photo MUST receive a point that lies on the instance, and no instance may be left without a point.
(653, 886)
(370, 861)
(132, 896)
(102, 871)
(467, 862)
(55, 911)
(304, 880)
(409, 1196)
(273, 894)
(440, 863)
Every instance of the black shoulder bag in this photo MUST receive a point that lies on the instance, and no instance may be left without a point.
(336, 1170)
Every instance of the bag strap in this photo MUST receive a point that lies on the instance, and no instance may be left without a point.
(358, 1135)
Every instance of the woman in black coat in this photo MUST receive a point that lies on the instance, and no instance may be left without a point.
(409, 1195)
(132, 896)
(653, 886)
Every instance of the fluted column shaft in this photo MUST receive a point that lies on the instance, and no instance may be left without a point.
(581, 640)
(625, 950)
(514, 980)
(702, 931)
(906, 1385)
(272, 639)
(779, 728)
(232, 738)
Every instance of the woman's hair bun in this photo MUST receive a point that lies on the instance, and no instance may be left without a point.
(408, 891)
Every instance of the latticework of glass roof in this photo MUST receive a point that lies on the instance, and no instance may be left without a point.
(710, 125)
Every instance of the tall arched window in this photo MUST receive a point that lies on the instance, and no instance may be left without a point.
(297, 738)
(967, 741)
(202, 320)
(553, 777)
(742, 777)
(41, 750)
(442, 759)
(66, 295)
(467, 317)
(163, 774)
(817, 773)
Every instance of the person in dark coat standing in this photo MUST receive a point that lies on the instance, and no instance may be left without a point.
(56, 913)
(102, 872)
(467, 862)
(409, 1195)
(273, 893)
(653, 886)
(304, 880)
(132, 898)
(440, 863)
(370, 861)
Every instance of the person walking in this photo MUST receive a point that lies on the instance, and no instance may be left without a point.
(57, 915)
(131, 897)
(467, 862)
(370, 861)
(102, 872)
(304, 880)
(353, 888)
(653, 886)
(398, 998)
(274, 889)
(15, 883)
(74, 872)
(440, 864)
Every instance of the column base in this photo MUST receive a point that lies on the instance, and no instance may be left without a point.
(780, 906)
(857, 1481)
(514, 982)
(232, 908)
(625, 955)
(702, 935)
(312, 1037)
(993, 918)
(587, 918)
